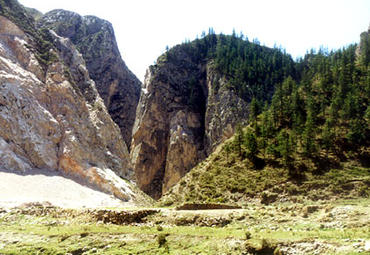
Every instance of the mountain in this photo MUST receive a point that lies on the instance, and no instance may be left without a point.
(51, 114)
(94, 39)
(64, 89)
(311, 140)
(193, 98)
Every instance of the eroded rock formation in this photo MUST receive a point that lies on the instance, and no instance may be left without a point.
(364, 45)
(182, 115)
(51, 115)
(94, 38)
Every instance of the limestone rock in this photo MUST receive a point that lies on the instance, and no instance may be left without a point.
(224, 110)
(181, 117)
(52, 116)
(182, 149)
(95, 40)
(168, 125)
(10, 160)
(363, 49)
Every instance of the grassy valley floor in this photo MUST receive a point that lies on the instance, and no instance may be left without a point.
(305, 227)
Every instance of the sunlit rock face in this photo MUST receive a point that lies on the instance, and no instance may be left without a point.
(181, 117)
(95, 40)
(363, 48)
(51, 115)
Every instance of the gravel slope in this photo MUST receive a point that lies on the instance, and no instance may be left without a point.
(43, 185)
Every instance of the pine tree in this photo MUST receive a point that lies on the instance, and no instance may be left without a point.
(356, 134)
(265, 129)
(367, 114)
(286, 103)
(308, 136)
(253, 112)
(284, 147)
(238, 141)
(334, 110)
(351, 107)
(328, 135)
(276, 106)
(297, 108)
(228, 150)
(251, 145)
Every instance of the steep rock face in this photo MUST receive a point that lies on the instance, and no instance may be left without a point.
(51, 115)
(182, 115)
(167, 125)
(225, 109)
(94, 38)
(363, 48)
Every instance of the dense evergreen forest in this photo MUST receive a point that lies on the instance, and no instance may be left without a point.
(317, 119)
(310, 137)
(304, 115)
(250, 69)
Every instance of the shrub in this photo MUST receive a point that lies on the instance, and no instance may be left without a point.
(161, 240)
(159, 228)
(248, 235)
(268, 197)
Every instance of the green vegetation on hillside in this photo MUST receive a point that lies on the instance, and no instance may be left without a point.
(316, 122)
(20, 16)
(225, 178)
(251, 70)
(314, 134)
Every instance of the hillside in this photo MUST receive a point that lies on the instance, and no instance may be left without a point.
(192, 99)
(248, 151)
(224, 178)
(312, 140)
(94, 38)
(52, 116)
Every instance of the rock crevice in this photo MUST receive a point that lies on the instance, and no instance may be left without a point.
(181, 117)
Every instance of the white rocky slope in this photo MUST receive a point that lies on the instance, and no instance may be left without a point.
(51, 187)
(53, 118)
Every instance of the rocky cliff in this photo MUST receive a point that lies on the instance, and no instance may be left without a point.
(364, 46)
(95, 40)
(51, 115)
(193, 98)
(168, 125)
(185, 110)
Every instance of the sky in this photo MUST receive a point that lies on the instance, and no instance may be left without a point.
(143, 28)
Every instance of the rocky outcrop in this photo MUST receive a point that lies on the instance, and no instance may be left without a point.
(224, 110)
(363, 49)
(51, 115)
(116, 84)
(182, 115)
